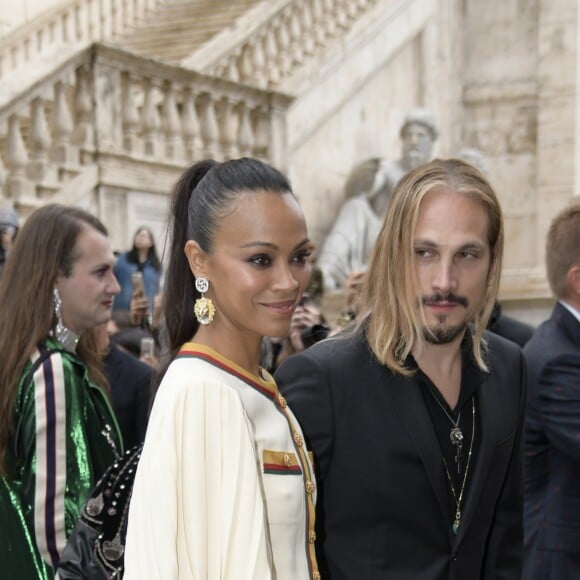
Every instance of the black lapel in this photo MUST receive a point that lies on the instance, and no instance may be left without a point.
(566, 320)
(487, 427)
(410, 405)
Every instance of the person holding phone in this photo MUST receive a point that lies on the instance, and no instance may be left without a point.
(141, 259)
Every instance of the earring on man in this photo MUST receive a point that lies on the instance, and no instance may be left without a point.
(67, 338)
(204, 308)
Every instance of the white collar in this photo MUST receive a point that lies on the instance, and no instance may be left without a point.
(575, 313)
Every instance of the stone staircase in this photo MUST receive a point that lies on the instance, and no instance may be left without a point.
(110, 112)
(179, 27)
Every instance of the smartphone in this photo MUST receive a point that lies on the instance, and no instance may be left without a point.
(304, 300)
(137, 281)
(147, 347)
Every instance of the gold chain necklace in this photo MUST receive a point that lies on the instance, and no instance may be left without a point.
(457, 520)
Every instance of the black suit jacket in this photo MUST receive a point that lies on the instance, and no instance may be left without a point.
(552, 440)
(383, 509)
(130, 382)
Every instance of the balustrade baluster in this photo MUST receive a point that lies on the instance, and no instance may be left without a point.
(209, 126)
(260, 75)
(318, 22)
(232, 71)
(191, 130)
(131, 118)
(79, 24)
(245, 64)
(62, 127)
(104, 10)
(271, 54)
(228, 122)
(151, 120)
(40, 34)
(296, 39)
(307, 26)
(39, 142)
(261, 133)
(171, 123)
(340, 12)
(83, 135)
(17, 184)
(132, 11)
(245, 131)
(65, 33)
(351, 8)
(284, 56)
(328, 7)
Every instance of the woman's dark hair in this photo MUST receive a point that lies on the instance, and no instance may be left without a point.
(152, 257)
(201, 198)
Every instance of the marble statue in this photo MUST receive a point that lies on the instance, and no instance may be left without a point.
(368, 189)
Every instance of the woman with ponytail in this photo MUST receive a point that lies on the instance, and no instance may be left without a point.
(225, 489)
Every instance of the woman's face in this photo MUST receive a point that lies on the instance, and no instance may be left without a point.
(259, 264)
(143, 239)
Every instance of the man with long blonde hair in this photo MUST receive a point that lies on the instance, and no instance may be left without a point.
(415, 415)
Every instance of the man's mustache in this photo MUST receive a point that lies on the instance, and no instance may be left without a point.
(449, 298)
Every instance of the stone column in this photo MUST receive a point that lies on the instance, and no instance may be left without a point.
(558, 142)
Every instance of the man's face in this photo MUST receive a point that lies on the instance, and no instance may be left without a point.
(87, 294)
(452, 262)
(6, 236)
(417, 145)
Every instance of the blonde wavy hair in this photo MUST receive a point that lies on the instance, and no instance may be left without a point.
(392, 323)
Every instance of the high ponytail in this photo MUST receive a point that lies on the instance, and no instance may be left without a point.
(179, 293)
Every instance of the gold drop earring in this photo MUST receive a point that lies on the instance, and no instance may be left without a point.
(204, 308)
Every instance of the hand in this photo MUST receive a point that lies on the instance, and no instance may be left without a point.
(304, 317)
(352, 290)
(138, 309)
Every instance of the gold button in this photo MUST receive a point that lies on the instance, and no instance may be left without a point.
(282, 401)
(309, 488)
(311, 537)
(287, 460)
(298, 439)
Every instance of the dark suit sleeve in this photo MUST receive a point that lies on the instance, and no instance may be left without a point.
(505, 543)
(559, 395)
(304, 383)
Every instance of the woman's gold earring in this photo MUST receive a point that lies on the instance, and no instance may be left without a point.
(204, 308)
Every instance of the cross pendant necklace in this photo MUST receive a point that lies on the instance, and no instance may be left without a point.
(459, 497)
(455, 435)
(456, 438)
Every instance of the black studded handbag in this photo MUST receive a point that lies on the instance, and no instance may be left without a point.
(96, 548)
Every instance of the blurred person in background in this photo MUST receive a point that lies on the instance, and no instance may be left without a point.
(9, 222)
(142, 257)
(130, 387)
(552, 440)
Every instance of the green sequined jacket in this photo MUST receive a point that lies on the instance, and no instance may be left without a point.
(66, 435)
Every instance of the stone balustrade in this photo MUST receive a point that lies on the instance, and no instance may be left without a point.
(104, 103)
(270, 42)
(79, 21)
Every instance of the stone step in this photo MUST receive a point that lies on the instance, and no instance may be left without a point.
(179, 27)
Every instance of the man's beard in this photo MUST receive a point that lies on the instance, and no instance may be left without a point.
(443, 334)
(440, 334)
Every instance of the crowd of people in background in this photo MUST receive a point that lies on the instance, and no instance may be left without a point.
(398, 438)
